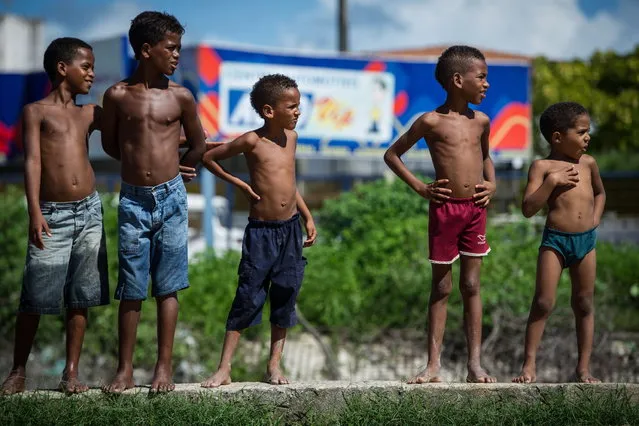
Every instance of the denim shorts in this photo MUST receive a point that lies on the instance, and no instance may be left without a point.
(153, 231)
(71, 271)
(272, 264)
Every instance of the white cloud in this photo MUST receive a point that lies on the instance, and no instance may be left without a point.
(555, 28)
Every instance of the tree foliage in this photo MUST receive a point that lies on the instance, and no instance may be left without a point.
(607, 84)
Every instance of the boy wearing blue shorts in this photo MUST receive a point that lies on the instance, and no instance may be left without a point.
(66, 261)
(272, 264)
(143, 117)
(568, 182)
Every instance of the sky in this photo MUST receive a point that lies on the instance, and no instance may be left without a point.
(558, 29)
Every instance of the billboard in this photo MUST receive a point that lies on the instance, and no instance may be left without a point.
(351, 106)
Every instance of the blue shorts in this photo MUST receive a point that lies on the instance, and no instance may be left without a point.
(572, 246)
(272, 263)
(72, 270)
(153, 231)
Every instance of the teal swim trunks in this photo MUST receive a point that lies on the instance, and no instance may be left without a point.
(572, 246)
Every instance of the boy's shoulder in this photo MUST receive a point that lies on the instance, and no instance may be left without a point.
(482, 117)
(588, 160)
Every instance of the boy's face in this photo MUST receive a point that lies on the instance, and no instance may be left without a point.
(79, 72)
(574, 142)
(165, 55)
(474, 82)
(287, 109)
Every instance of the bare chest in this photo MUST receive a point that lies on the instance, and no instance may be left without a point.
(64, 125)
(456, 136)
(149, 108)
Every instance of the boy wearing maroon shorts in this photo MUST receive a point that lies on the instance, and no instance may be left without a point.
(457, 138)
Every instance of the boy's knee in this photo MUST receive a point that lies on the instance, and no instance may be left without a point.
(442, 288)
(469, 286)
(582, 304)
(543, 305)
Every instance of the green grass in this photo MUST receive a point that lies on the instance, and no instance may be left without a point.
(549, 407)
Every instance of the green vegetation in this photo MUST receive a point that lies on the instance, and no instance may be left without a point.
(550, 407)
(608, 86)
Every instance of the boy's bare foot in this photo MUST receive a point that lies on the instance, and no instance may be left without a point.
(221, 377)
(162, 380)
(428, 375)
(14, 383)
(121, 382)
(585, 377)
(70, 384)
(527, 375)
(479, 375)
(275, 376)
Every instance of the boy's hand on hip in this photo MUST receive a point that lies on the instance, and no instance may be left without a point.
(487, 191)
(311, 233)
(187, 173)
(37, 225)
(435, 191)
(252, 196)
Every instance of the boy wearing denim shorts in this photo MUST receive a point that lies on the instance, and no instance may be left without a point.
(66, 261)
(143, 117)
(272, 264)
(457, 138)
(568, 182)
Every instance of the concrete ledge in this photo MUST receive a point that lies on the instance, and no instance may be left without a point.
(335, 393)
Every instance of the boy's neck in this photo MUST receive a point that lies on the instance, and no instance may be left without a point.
(146, 74)
(559, 156)
(61, 94)
(455, 104)
(272, 132)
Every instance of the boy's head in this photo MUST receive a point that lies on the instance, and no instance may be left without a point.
(463, 68)
(276, 97)
(70, 59)
(157, 37)
(566, 127)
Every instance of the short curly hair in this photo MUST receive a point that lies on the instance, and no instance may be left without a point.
(455, 59)
(269, 89)
(62, 49)
(152, 27)
(560, 117)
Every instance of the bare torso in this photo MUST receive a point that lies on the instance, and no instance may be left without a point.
(272, 170)
(148, 131)
(454, 142)
(66, 174)
(571, 209)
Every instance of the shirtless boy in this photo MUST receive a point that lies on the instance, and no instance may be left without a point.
(457, 138)
(272, 263)
(568, 182)
(142, 121)
(66, 259)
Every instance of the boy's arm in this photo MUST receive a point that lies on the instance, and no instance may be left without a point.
(31, 121)
(109, 124)
(432, 191)
(193, 131)
(242, 144)
(599, 191)
(96, 123)
(311, 232)
(489, 186)
(539, 188)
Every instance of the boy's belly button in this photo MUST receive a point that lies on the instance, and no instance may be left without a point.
(283, 203)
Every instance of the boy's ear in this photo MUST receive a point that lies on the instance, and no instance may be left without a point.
(267, 111)
(61, 66)
(556, 137)
(145, 51)
(457, 80)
